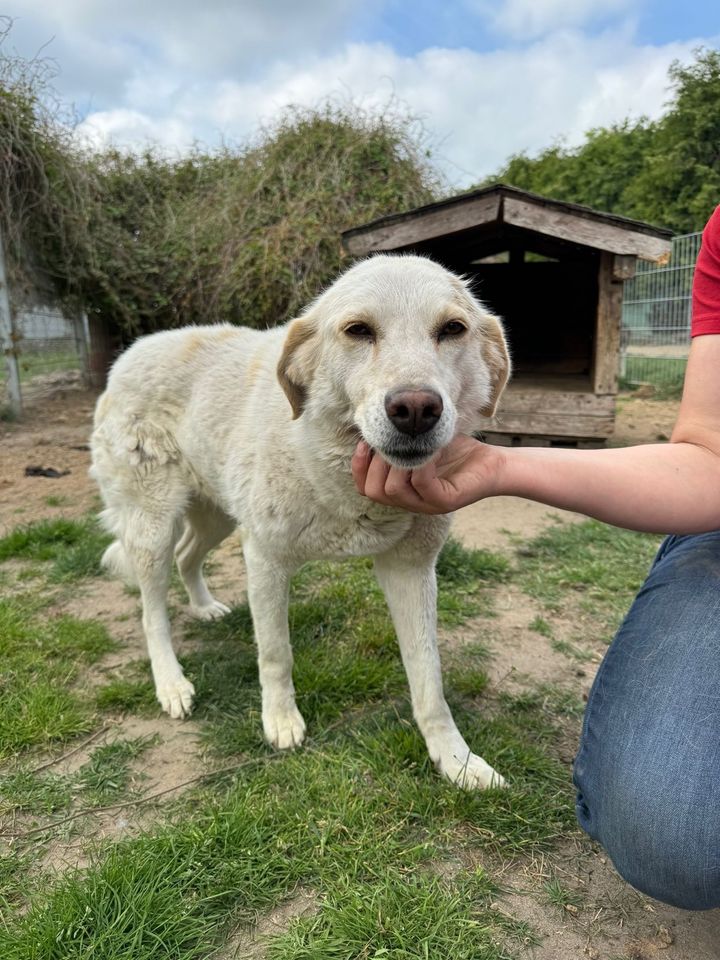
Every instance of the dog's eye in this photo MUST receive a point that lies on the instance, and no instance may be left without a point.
(453, 328)
(360, 331)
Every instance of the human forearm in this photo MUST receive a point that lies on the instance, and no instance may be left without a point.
(668, 488)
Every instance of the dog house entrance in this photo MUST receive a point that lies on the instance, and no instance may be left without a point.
(547, 296)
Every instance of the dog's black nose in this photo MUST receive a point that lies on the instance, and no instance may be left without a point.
(413, 411)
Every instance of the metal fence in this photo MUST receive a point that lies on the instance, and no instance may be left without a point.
(48, 349)
(656, 318)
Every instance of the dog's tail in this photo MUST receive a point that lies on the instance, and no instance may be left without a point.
(116, 561)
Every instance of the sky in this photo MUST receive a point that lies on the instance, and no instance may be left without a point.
(486, 79)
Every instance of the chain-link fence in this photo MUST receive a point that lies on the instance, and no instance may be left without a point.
(48, 349)
(656, 319)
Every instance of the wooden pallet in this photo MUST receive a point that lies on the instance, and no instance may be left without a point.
(541, 440)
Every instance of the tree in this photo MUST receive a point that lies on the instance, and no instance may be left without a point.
(666, 171)
(679, 183)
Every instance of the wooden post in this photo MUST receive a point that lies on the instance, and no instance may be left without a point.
(82, 337)
(103, 351)
(607, 329)
(8, 339)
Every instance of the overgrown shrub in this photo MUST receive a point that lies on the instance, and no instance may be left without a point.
(250, 235)
(147, 241)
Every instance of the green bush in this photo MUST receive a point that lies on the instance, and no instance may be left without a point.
(144, 241)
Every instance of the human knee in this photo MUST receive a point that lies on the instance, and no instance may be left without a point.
(662, 841)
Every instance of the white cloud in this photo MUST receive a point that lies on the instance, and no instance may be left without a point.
(480, 107)
(532, 18)
(103, 48)
(173, 72)
(134, 129)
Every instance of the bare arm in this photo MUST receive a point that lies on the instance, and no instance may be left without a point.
(663, 488)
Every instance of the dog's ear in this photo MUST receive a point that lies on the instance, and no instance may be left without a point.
(297, 362)
(497, 360)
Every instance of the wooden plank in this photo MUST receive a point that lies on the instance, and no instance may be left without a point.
(624, 267)
(552, 423)
(577, 229)
(541, 440)
(535, 411)
(518, 399)
(424, 226)
(606, 362)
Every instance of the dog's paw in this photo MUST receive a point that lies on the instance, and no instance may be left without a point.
(210, 611)
(176, 697)
(284, 729)
(471, 772)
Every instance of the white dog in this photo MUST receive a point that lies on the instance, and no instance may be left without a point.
(205, 429)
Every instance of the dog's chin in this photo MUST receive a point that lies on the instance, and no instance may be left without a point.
(406, 458)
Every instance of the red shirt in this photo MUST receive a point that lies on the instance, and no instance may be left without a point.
(706, 281)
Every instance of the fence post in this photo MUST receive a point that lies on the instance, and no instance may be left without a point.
(8, 339)
(80, 328)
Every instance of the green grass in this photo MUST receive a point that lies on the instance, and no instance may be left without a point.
(541, 626)
(42, 657)
(38, 363)
(15, 880)
(132, 694)
(403, 915)
(23, 790)
(571, 650)
(589, 566)
(665, 374)
(105, 777)
(358, 815)
(73, 548)
(57, 501)
(353, 815)
(560, 896)
(107, 774)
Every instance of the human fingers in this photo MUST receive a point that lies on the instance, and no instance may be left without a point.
(359, 464)
(376, 477)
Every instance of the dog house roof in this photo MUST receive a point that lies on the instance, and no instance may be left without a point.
(501, 209)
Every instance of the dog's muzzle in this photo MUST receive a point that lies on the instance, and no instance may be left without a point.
(413, 412)
(414, 426)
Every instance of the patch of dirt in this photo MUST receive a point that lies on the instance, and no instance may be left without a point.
(520, 656)
(611, 922)
(54, 432)
(498, 522)
(640, 420)
(251, 944)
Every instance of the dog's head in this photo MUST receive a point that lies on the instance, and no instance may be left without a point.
(399, 348)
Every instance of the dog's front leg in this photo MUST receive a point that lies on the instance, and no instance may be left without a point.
(411, 593)
(268, 585)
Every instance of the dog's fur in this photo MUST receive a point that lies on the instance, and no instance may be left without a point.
(204, 429)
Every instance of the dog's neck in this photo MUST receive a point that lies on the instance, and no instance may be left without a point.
(325, 445)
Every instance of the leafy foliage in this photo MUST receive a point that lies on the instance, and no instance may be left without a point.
(665, 171)
(145, 241)
(250, 235)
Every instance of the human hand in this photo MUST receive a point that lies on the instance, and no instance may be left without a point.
(462, 472)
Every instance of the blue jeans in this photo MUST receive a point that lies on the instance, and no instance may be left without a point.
(648, 767)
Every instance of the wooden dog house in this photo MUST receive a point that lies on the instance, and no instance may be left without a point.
(554, 272)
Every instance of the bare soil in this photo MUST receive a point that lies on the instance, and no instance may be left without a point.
(613, 922)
